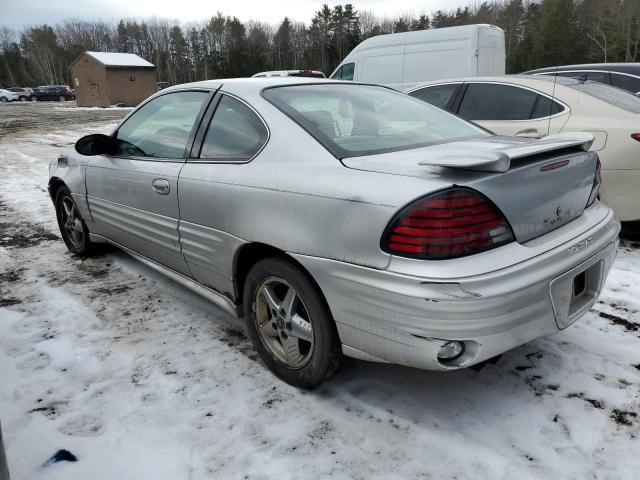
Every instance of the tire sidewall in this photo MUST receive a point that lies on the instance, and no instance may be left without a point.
(327, 354)
(63, 192)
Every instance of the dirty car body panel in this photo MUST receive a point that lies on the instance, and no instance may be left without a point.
(328, 210)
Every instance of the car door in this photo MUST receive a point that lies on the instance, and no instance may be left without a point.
(508, 109)
(231, 135)
(133, 194)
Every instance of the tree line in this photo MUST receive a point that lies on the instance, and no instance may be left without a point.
(537, 33)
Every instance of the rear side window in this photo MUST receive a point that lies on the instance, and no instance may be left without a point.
(345, 72)
(438, 95)
(613, 96)
(488, 101)
(235, 132)
(545, 107)
(626, 82)
(602, 77)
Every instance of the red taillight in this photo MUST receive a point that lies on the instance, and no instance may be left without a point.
(448, 224)
(636, 136)
(597, 180)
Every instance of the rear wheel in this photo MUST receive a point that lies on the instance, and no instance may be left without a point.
(23, 98)
(290, 323)
(73, 229)
(62, 98)
(4, 99)
(34, 99)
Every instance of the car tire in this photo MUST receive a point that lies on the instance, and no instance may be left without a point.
(62, 98)
(23, 98)
(4, 99)
(34, 99)
(303, 355)
(72, 227)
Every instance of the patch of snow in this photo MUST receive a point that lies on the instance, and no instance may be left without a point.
(114, 59)
(140, 378)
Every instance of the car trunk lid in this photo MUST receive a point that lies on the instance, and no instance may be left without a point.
(539, 185)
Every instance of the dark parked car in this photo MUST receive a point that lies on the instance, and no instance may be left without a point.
(162, 86)
(53, 92)
(24, 93)
(622, 75)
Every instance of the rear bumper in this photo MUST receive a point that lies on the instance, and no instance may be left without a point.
(400, 318)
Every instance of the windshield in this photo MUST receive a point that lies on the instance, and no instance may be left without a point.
(355, 120)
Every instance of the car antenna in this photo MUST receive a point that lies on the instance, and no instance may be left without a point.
(553, 97)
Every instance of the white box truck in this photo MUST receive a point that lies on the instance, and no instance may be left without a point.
(404, 60)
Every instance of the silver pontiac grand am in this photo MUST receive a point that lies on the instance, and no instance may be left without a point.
(346, 219)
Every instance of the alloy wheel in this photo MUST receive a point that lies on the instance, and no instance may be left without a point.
(72, 223)
(283, 322)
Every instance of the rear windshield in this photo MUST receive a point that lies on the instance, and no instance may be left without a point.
(354, 120)
(613, 96)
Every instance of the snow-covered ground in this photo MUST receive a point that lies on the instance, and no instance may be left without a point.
(141, 379)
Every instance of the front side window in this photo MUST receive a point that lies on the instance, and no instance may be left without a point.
(438, 95)
(626, 82)
(355, 120)
(235, 132)
(345, 72)
(161, 127)
(489, 101)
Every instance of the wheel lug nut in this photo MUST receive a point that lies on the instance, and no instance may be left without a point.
(289, 327)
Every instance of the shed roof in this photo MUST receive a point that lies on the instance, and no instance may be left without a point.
(113, 59)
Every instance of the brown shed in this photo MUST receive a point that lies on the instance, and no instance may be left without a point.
(106, 78)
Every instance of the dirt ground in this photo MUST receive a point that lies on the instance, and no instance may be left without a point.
(16, 117)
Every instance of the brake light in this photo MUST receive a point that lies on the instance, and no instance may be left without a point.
(636, 136)
(452, 223)
(597, 180)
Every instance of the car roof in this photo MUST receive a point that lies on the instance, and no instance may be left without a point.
(540, 82)
(620, 67)
(247, 85)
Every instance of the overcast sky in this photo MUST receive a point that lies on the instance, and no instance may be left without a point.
(17, 14)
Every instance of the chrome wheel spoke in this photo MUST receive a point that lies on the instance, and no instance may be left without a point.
(300, 328)
(288, 304)
(291, 348)
(272, 300)
(268, 330)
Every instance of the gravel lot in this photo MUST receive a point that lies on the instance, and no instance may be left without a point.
(141, 379)
(17, 118)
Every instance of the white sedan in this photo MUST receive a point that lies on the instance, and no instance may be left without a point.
(8, 96)
(536, 106)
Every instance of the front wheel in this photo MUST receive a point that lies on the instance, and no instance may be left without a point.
(290, 323)
(62, 98)
(4, 99)
(73, 229)
(34, 99)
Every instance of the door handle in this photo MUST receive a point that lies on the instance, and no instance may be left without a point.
(528, 133)
(160, 186)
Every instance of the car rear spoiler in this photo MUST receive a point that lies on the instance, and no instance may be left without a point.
(500, 160)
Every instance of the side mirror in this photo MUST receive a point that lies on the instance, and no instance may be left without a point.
(96, 144)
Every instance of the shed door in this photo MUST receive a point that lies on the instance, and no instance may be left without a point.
(94, 90)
